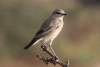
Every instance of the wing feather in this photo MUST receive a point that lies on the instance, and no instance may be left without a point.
(47, 27)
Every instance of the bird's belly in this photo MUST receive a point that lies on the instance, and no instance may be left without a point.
(53, 34)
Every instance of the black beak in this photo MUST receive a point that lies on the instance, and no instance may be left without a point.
(63, 14)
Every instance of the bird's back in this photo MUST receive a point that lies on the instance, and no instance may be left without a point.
(57, 25)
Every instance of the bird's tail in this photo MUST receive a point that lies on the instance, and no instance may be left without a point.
(33, 42)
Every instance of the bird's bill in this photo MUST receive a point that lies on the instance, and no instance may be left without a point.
(63, 14)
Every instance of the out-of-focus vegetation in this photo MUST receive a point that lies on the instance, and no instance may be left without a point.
(79, 41)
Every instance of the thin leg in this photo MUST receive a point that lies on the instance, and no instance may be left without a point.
(44, 46)
(43, 43)
(51, 48)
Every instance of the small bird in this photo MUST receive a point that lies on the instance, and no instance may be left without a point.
(49, 29)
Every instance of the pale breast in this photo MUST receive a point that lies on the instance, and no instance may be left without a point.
(57, 31)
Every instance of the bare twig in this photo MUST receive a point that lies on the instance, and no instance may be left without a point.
(54, 59)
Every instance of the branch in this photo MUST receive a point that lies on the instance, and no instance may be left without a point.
(54, 59)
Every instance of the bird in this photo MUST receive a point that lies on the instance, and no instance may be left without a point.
(49, 29)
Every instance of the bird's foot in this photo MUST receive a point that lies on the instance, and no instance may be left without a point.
(56, 59)
(45, 48)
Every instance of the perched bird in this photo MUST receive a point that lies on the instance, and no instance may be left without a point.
(49, 29)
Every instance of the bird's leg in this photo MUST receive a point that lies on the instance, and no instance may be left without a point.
(52, 49)
(44, 46)
(43, 43)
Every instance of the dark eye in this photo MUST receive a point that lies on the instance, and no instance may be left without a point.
(58, 13)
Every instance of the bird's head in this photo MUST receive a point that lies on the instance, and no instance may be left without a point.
(57, 13)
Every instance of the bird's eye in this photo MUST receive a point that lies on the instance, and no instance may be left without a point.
(58, 13)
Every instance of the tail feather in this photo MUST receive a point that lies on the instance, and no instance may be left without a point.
(31, 43)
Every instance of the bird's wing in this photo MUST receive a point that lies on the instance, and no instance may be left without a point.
(47, 27)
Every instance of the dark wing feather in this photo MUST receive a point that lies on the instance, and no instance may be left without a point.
(47, 27)
(41, 33)
(31, 43)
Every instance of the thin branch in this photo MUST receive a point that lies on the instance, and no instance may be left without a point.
(54, 59)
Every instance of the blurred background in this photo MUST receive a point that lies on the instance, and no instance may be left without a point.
(78, 42)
